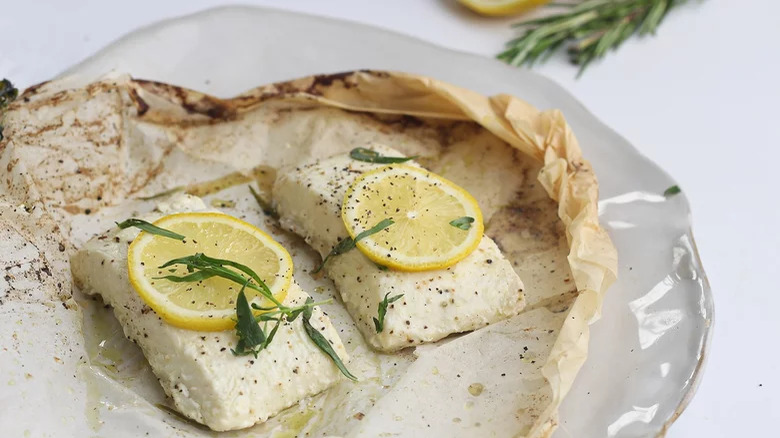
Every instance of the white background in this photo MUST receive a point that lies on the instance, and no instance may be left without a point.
(701, 99)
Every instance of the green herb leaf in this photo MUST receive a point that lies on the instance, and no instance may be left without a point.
(379, 323)
(322, 342)
(464, 223)
(349, 243)
(671, 191)
(256, 307)
(272, 334)
(308, 310)
(189, 278)
(369, 156)
(8, 94)
(149, 228)
(381, 267)
(264, 205)
(265, 318)
(251, 338)
(381, 225)
(249, 333)
(294, 314)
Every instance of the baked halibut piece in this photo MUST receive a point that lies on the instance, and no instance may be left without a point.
(196, 368)
(478, 290)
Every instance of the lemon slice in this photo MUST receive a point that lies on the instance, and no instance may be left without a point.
(210, 304)
(501, 7)
(421, 205)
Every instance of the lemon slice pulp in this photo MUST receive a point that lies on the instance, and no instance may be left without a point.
(501, 7)
(421, 205)
(209, 304)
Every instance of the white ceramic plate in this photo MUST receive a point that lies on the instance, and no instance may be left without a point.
(647, 351)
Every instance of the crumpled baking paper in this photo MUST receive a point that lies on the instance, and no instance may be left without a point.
(79, 155)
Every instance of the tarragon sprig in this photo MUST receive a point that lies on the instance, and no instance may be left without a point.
(251, 337)
(379, 323)
(202, 267)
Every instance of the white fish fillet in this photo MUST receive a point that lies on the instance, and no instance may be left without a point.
(196, 369)
(479, 290)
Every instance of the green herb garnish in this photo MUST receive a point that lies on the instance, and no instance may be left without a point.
(322, 342)
(671, 191)
(201, 267)
(379, 323)
(349, 243)
(8, 94)
(464, 223)
(149, 228)
(251, 338)
(290, 313)
(264, 205)
(369, 156)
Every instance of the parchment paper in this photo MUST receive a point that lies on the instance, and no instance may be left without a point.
(76, 158)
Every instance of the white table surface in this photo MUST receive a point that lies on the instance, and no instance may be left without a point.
(700, 99)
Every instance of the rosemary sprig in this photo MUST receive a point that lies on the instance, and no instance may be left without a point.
(251, 338)
(349, 243)
(592, 28)
(149, 228)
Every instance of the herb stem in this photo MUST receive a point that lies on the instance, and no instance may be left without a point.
(289, 310)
